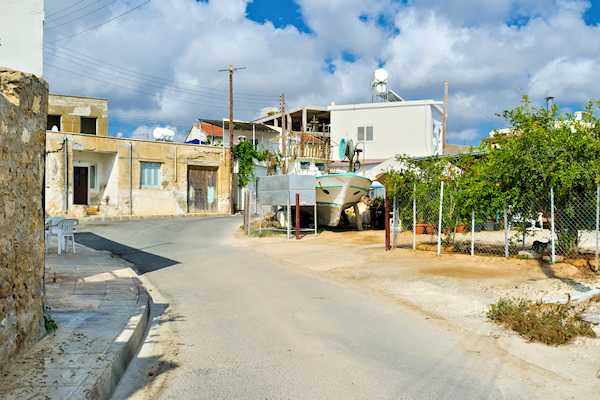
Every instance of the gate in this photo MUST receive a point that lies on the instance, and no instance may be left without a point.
(202, 189)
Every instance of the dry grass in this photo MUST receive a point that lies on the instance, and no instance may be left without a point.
(552, 324)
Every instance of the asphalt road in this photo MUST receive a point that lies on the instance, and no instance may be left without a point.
(250, 329)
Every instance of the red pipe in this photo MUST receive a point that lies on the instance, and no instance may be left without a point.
(297, 216)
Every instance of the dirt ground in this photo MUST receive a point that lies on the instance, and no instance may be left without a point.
(453, 289)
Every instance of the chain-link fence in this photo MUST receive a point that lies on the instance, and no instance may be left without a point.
(262, 218)
(558, 225)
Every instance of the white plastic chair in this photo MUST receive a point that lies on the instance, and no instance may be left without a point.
(66, 230)
(51, 228)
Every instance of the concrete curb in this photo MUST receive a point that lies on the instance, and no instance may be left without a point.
(100, 220)
(130, 341)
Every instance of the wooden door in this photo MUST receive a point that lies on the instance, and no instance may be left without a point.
(202, 189)
(80, 185)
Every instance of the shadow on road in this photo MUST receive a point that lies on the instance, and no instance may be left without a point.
(144, 262)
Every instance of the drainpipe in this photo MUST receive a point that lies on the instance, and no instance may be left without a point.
(66, 174)
(130, 178)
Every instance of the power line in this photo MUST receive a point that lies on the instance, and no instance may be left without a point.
(97, 63)
(162, 86)
(103, 23)
(131, 86)
(51, 27)
(65, 8)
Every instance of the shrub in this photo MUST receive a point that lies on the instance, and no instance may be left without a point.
(551, 324)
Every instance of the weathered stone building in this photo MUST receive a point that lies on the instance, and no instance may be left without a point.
(78, 114)
(92, 174)
(23, 102)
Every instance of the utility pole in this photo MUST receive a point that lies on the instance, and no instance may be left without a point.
(230, 70)
(283, 134)
(445, 117)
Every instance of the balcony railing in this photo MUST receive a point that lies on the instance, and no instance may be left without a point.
(310, 145)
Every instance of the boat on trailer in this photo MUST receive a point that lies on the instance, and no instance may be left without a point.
(337, 192)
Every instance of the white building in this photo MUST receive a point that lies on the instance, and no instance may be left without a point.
(384, 130)
(381, 130)
(22, 35)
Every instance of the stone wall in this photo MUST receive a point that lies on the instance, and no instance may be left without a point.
(23, 107)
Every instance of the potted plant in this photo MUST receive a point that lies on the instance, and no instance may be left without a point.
(430, 229)
(420, 229)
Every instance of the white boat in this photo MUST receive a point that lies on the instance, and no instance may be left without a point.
(336, 192)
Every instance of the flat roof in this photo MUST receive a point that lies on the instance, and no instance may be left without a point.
(78, 97)
(129, 139)
(393, 104)
(294, 110)
(240, 125)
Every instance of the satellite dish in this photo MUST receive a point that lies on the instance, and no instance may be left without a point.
(342, 149)
(381, 75)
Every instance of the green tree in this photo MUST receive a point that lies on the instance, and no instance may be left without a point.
(542, 149)
(245, 154)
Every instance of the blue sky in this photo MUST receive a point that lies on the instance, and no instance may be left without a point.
(158, 65)
(279, 13)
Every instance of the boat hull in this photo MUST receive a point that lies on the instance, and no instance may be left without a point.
(336, 193)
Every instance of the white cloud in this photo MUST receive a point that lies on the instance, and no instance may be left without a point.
(464, 136)
(172, 51)
(570, 80)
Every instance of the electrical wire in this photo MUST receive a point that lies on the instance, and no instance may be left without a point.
(51, 26)
(65, 8)
(103, 23)
(96, 63)
(140, 90)
(201, 98)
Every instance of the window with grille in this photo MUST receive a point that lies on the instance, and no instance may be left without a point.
(149, 175)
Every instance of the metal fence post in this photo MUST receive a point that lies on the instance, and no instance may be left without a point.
(473, 232)
(395, 219)
(552, 230)
(289, 216)
(247, 212)
(597, 225)
(297, 216)
(506, 250)
(315, 217)
(414, 244)
(439, 238)
(386, 207)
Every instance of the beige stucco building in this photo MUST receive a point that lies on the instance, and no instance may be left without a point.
(93, 174)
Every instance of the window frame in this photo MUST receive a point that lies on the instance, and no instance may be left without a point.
(59, 121)
(156, 185)
(359, 130)
(93, 183)
(81, 118)
(367, 134)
